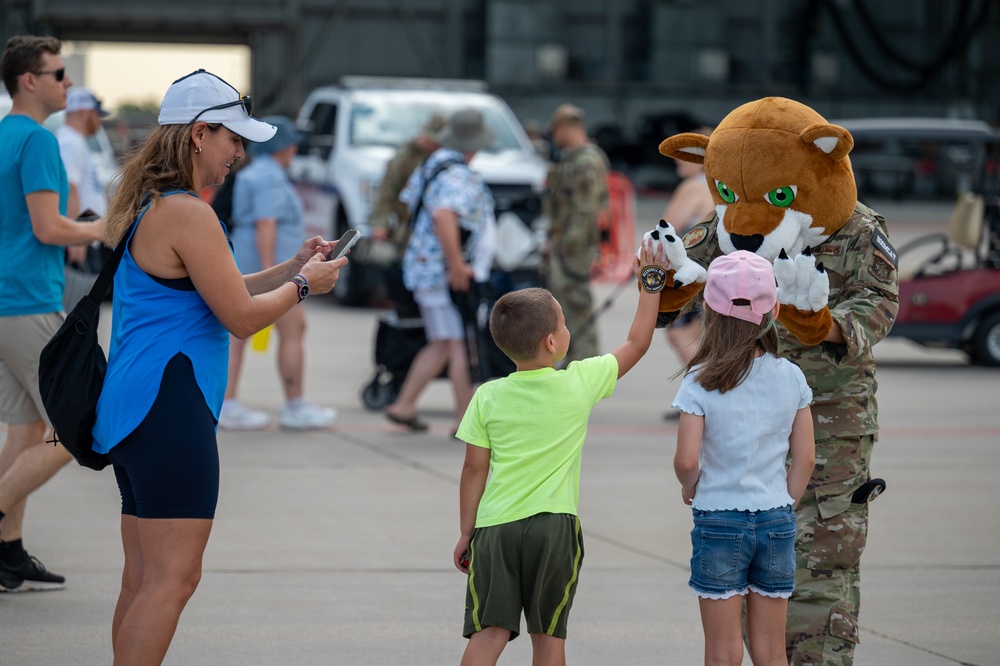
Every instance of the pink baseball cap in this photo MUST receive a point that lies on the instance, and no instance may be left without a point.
(741, 275)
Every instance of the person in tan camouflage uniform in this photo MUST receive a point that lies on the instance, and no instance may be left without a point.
(389, 216)
(814, 210)
(577, 193)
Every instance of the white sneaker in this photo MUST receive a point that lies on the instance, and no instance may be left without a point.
(307, 416)
(237, 416)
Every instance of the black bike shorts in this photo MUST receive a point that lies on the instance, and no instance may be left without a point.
(168, 467)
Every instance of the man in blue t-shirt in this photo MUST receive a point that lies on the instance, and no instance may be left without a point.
(33, 230)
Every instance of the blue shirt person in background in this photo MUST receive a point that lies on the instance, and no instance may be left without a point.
(33, 228)
(267, 224)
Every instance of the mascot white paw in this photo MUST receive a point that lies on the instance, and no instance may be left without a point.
(685, 270)
(802, 282)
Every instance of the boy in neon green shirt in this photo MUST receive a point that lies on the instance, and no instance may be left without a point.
(520, 541)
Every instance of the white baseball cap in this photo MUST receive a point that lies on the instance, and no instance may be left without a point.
(204, 96)
(81, 99)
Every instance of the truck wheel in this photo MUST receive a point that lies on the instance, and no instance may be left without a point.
(986, 341)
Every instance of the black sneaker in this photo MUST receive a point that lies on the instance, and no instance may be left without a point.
(30, 575)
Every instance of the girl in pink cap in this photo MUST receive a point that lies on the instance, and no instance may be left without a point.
(743, 410)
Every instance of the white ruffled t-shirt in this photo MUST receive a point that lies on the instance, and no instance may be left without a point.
(745, 442)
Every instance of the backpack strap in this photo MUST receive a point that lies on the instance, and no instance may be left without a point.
(103, 282)
(446, 164)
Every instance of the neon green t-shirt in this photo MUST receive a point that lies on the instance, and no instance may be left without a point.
(534, 423)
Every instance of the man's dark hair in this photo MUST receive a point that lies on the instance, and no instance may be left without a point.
(521, 320)
(23, 53)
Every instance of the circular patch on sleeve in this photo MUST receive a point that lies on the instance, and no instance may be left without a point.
(694, 236)
(653, 278)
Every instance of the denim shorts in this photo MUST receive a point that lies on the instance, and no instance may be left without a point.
(734, 552)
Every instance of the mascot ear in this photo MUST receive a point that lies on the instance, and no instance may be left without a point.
(833, 140)
(687, 147)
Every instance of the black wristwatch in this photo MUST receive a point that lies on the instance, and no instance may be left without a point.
(301, 284)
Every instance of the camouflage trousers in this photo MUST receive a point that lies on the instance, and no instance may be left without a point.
(822, 627)
(577, 303)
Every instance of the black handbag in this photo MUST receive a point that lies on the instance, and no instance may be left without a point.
(71, 371)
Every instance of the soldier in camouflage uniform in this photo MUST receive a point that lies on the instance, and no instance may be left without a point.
(822, 624)
(389, 217)
(577, 193)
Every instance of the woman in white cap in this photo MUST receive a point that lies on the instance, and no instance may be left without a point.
(178, 294)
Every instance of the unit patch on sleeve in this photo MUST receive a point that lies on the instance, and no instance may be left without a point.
(881, 269)
(694, 236)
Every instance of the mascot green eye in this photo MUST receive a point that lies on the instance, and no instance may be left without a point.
(781, 197)
(727, 194)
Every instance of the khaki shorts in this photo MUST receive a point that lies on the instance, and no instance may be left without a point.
(442, 320)
(531, 565)
(21, 342)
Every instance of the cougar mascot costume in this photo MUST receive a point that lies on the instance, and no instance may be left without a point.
(784, 189)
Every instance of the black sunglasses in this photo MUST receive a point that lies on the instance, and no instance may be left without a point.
(57, 74)
(243, 101)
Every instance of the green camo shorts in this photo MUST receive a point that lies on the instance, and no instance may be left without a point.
(531, 565)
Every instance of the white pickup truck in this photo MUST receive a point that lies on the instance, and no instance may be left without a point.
(350, 132)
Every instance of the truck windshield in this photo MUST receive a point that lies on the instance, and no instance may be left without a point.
(392, 120)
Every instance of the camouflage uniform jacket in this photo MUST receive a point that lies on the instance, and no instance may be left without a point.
(863, 301)
(388, 212)
(577, 193)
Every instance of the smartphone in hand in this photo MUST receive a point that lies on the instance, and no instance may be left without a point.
(345, 243)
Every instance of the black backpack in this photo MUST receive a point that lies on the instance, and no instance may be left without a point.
(71, 371)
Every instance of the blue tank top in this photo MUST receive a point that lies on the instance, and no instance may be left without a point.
(151, 324)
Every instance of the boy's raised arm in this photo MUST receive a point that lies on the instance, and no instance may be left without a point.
(640, 335)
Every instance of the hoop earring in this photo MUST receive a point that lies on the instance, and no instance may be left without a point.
(197, 150)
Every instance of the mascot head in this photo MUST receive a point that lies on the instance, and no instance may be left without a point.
(779, 174)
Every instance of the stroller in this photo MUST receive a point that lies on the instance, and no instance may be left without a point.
(400, 335)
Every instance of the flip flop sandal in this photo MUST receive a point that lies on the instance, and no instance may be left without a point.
(412, 422)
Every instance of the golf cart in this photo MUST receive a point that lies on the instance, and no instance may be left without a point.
(949, 282)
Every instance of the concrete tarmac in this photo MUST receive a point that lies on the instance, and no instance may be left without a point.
(334, 547)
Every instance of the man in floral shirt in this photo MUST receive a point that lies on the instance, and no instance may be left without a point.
(452, 245)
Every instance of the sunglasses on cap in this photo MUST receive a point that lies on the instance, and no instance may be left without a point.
(243, 101)
(57, 74)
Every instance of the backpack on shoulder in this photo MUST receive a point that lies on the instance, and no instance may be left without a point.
(71, 371)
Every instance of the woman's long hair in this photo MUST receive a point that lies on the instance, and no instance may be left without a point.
(728, 347)
(161, 163)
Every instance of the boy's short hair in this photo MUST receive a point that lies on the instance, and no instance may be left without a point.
(23, 53)
(521, 319)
